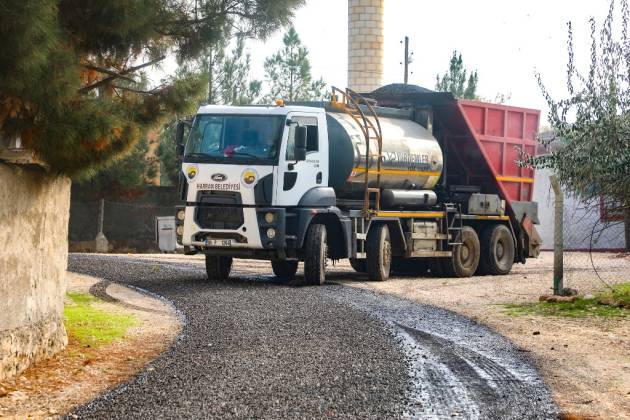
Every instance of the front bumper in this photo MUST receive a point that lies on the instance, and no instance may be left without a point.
(252, 233)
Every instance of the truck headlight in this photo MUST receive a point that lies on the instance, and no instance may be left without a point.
(181, 215)
(269, 217)
(271, 233)
(179, 230)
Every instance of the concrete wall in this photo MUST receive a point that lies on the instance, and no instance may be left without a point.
(34, 210)
(579, 219)
(365, 44)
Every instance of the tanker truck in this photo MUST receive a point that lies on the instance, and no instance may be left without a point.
(407, 182)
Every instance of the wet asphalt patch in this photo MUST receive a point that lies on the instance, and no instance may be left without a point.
(254, 348)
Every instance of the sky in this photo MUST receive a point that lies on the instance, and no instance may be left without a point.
(506, 41)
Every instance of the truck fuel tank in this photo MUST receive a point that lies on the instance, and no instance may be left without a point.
(408, 198)
(411, 158)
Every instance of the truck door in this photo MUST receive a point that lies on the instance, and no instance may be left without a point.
(294, 178)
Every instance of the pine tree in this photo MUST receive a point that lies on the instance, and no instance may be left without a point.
(288, 72)
(228, 75)
(69, 69)
(457, 81)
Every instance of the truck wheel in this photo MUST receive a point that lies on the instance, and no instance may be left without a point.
(409, 266)
(465, 257)
(284, 270)
(358, 265)
(379, 253)
(315, 255)
(497, 250)
(218, 268)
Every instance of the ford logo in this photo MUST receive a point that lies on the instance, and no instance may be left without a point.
(219, 177)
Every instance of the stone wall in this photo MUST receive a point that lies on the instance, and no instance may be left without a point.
(34, 208)
(365, 44)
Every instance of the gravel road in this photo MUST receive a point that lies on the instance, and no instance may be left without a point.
(252, 348)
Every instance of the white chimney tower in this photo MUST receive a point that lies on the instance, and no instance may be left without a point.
(365, 44)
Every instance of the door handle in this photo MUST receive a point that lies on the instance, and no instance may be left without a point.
(318, 178)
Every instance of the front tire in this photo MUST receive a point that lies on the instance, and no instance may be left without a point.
(379, 253)
(316, 252)
(218, 268)
(465, 259)
(497, 250)
(284, 270)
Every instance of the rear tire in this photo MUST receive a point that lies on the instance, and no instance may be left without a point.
(379, 253)
(497, 250)
(218, 268)
(316, 251)
(465, 259)
(360, 266)
(284, 270)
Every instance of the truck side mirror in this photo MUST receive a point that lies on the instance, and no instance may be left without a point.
(300, 143)
(179, 137)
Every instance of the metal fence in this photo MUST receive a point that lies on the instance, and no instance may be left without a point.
(592, 245)
(128, 226)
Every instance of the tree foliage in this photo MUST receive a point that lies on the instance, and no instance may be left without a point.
(69, 69)
(170, 163)
(457, 80)
(228, 75)
(591, 127)
(130, 173)
(288, 72)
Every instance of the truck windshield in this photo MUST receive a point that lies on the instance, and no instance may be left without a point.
(228, 138)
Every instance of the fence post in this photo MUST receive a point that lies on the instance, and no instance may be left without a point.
(558, 239)
(100, 242)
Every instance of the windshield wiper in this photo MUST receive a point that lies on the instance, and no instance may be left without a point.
(199, 155)
(243, 154)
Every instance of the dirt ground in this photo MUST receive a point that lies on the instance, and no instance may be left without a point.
(585, 361)
(78, 374)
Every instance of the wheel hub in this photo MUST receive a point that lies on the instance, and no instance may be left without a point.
(499, 250)
(465, 252)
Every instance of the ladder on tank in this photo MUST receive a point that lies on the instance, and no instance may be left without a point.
(362, 112)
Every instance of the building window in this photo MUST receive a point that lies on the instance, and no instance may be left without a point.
(610, 210)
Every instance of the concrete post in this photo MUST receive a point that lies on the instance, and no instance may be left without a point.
(100, 242)
(365, 44)
(558, 239)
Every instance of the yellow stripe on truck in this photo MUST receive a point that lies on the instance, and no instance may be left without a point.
(515, 179)
(417, 215)
(397, 172)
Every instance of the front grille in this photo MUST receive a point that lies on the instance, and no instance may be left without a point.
(217, 210)
(220, 217)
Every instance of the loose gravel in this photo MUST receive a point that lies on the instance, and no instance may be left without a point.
(252, 348)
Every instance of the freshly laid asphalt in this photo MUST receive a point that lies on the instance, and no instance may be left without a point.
(253, 348)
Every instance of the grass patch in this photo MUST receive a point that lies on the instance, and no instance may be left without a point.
(613, 303)
(92, 326)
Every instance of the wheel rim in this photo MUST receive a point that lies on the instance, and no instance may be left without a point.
(465, 254)
(387, 255)
(499, 250)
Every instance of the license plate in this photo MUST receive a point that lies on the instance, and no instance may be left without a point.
(219, 243)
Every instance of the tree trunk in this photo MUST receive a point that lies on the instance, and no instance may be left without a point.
(626, 218)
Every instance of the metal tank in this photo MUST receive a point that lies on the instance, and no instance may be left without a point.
(412, 158)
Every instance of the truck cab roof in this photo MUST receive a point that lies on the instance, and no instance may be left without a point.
(257, 109)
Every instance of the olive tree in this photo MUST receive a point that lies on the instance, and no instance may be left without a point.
(591, 126)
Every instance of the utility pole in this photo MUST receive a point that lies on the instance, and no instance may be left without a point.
(407, 59)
